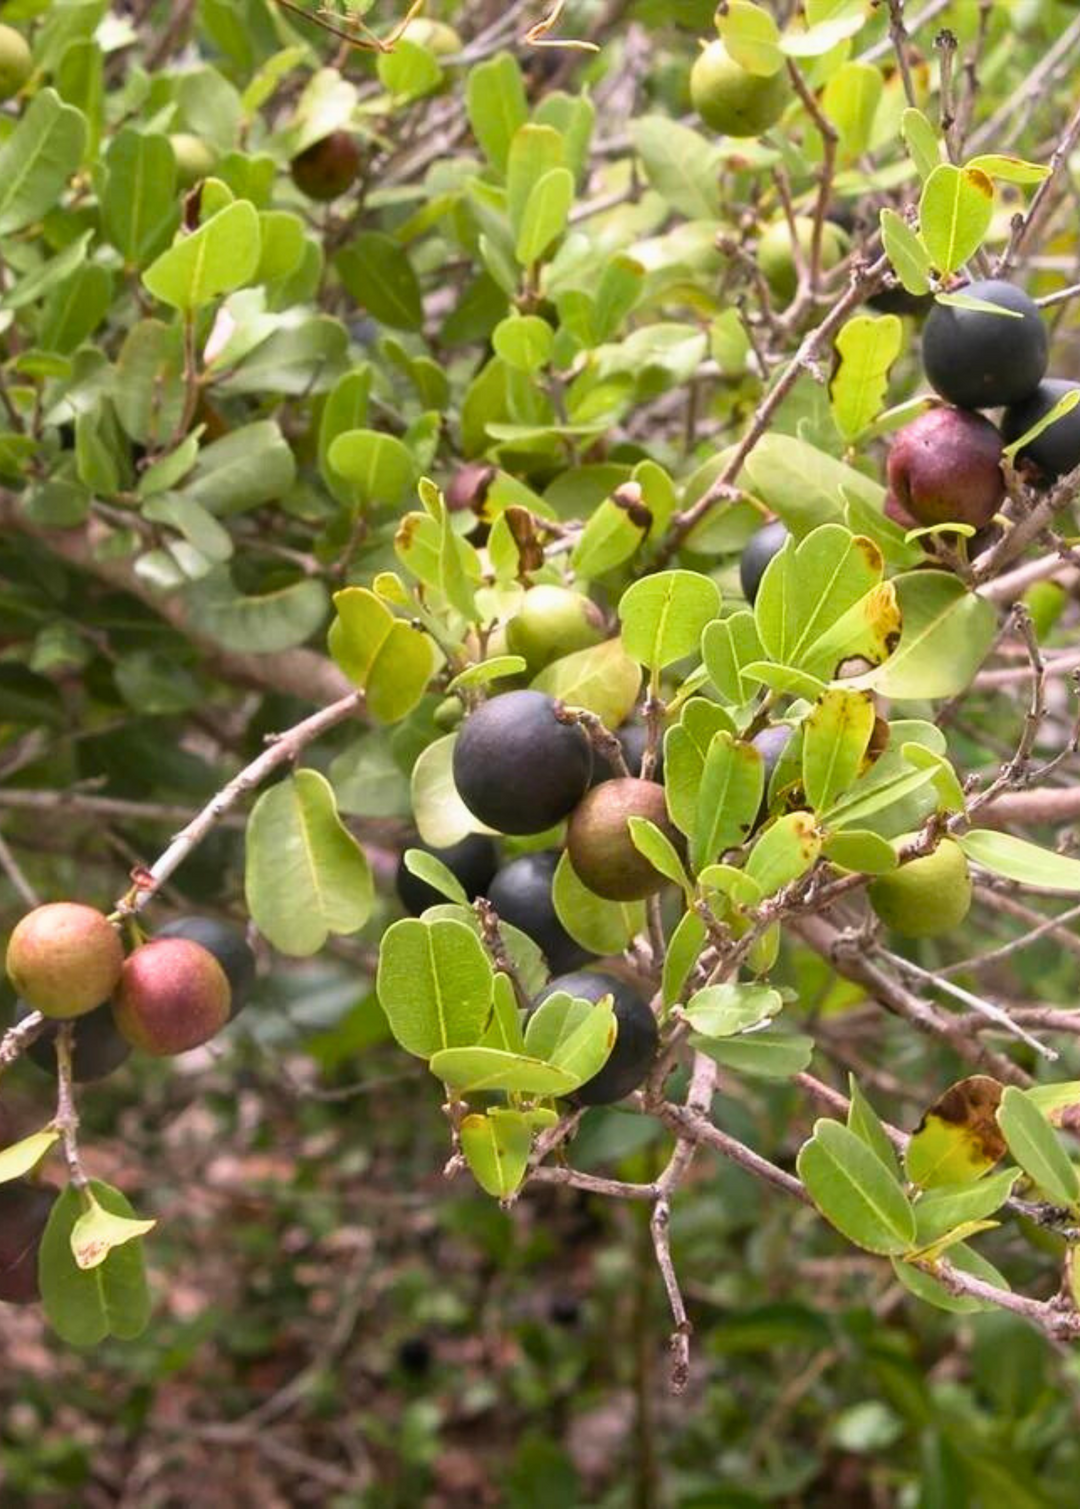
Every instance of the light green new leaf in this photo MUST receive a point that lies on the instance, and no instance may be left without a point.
(855, 1191)
(496, 105)
(850, 100)
(603, 927)
(921, 140)
(442, 818)
(534, 151)
(933, 1292)
(472, 1070)
(836, 735)
(504, 1030)
(955, 211)
(910, 260)
(221, 255)
(602, 679)
(496, 1146)
(1034, 1144)
(867, 346)
(860, 851)
(37, 159)
(751, 37)
(683, 949)
(576, 1036)
(940, 1210)
(761, 1055)
(1019, 859)
(724, 1010)
(728, 646)
(686, 747)
(98, 1232)
(430, 869)
(305, 875)
(21, 1157)
(435, 984)
(545, 215)
(659, 851)
(389, 658)
(609, 538)
(663, 616)
(1065, 405)
(524, 341)
(83, 1306)
(380, 468)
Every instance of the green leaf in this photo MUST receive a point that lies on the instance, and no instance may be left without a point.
(681, 165)
(658, 850)
(836, 736)
(83, 1306)
(252, 465)
(922, 142)
(504, 1030)
(442, 818)
(867, 346)
(683, 948)
(603, 927)
(380, 468)
(947, 633)
(496, 1146)
(138, 203)
(609, 538)
(496, 106)
(281, 245)
(663, 616)
(850, 100)
(486, 671)
(1018, 859)
(686, 747)
(524, 342)
(435, 984)
(865, 1122)
(430, 869)
(602, 679)
(257, 625)
(955, 211)
(805, 485)
(37, 159)
(751, 37)
(909, 257)
(939, 1211)
(376, 271)
(725, 1010)
(305, 875)
(1034, 1145)
(860, 851)
(762, 1055)
(534, 151)
(221, 255)
(545, 215)
(929, 1289)
(574, 1035)
(392, 660)
(472, 1070)
(728, 646)
(1065, 405)
(21, 1157)
(298, 359)
(786, 850)
(855, 1191)
(45, 277)
(729, 798)
(98, 1232)
(958, 1139)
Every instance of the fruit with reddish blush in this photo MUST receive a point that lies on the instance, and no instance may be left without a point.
(599, 844)
(64, 958)
(945, 468)
(173, 995)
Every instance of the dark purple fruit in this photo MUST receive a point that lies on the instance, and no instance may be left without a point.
(945, 468)
(97, 1051)
(770, 743)
(634, 1053)
(899, 301)
(599, 843)
(228, 946)
(473, 862)
(24, 1211)
(328, 167)
(516, 767)
(173, 995)
(981, 361)
(1057, 450)
(758, 551)
(64, 959)
(521, 895)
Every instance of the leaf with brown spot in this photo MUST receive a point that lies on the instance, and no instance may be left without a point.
(958, 1140)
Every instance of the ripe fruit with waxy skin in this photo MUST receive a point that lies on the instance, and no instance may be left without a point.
(731, 99)
(327, 168)
(521, 895)
(1057, 450)
(758, 551)
(16, 61)
(195, 158)
(98, 1048)
(552, 622)
(516, 767)
(64, 959)
(776, 259)
(978, 360)
(599, 843)
(24, 1213)
(925, 897)
(473, 861)
(634, 1053)
(945, 468)
(228, 946)
(173, 995)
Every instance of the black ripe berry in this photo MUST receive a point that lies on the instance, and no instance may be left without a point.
(521, 895)
(759, 550)
(978, 360)
(472, 861)
(516, 767)
(1057, 450)
(634, 1052)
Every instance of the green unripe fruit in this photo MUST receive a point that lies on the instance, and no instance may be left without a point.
(776, 259)
(173, 995)
(925, 897)
(599, 844)
(64, 959)
(436, 36)
(552, 622)
(1045, 601)
(195, 158)
(16, 62)
(732, 100)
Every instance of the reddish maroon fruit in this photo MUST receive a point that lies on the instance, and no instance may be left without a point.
(468, 487)
(24, 1211)
(327, 168)
(64, 959)
(945, 468)
(173, 995)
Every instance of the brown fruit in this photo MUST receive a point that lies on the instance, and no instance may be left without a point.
(945, 468)
(173, 995)
(64, 959)
(328, 167)
(599, 843)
